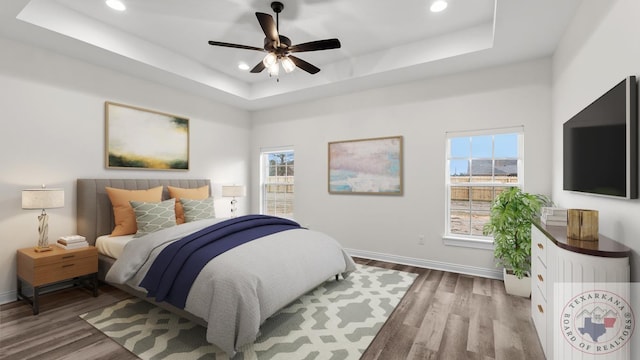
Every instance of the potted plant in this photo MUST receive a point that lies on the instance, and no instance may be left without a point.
(510, 224)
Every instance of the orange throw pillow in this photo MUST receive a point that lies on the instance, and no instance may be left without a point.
(124, 217)
(200, 193)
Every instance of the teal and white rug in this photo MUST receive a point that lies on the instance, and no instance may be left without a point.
(337, 320)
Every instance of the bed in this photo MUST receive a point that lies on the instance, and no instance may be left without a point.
(235, 292)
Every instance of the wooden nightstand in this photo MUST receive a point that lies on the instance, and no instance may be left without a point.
(42, 269)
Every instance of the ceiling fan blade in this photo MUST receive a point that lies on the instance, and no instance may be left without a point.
(237, 46)
(316, 45)
(258, 68)
(269, 27)
(311, 69)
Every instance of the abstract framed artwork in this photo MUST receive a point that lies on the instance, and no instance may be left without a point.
(366, 166)
(138, 138)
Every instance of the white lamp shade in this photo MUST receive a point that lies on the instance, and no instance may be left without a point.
(274, 69)
(234, 191)
(288, 65)
(42, 198)
(270, 59)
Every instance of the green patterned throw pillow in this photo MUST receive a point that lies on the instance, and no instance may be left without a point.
(198, 209)
(154, 216)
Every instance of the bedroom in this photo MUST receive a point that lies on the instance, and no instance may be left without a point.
(54, 122)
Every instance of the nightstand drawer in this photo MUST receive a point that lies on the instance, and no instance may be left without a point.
(63, 270)
(66, 255)
(56, 265)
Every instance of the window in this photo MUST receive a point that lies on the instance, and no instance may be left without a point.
(479, 166)
(277, 169)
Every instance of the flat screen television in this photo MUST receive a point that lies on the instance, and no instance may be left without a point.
(600, 145)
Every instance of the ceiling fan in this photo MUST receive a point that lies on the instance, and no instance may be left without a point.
(279, 48)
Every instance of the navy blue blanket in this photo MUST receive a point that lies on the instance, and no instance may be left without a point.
(177, 266)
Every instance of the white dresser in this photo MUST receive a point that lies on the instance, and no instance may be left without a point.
(556, 259)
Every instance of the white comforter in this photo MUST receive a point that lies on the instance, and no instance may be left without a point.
(238, 290)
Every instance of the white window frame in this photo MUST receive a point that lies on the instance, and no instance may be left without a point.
(264, 173)
(474, 241)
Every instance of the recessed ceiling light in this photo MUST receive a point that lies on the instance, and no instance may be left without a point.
(116, 5)
(243, 66)
(438, 6)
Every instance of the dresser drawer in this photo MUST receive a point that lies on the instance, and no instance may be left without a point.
(539, 246)
(539, 277)
(539, 311)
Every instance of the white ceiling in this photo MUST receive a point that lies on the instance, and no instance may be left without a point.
(383, 42)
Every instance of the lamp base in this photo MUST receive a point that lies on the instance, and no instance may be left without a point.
(234, 209)
(43, 233)
(42, 248)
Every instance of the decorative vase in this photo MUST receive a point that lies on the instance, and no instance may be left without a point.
(515, 286)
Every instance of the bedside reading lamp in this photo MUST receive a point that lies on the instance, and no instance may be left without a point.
(233, 191)
(42, 199)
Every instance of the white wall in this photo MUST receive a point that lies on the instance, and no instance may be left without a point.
(599, 49)
(421, 112)
(52, 116)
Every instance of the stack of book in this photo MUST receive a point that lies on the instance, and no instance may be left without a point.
(554, 216)
(72, 242)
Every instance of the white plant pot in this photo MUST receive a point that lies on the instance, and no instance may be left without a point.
(515, 286)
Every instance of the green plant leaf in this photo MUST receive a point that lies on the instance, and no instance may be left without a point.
(510, 219)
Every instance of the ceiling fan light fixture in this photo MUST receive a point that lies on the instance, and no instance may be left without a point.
(274, 69)
(270, 59)
(287, 64)
(116, 5)
(278, 47)
(438, 5)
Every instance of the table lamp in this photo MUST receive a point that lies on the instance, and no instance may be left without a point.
(42, 199)
(233, 191)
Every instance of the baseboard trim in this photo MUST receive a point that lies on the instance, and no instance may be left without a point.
(27, 290)
(9, 296)
(428, 264)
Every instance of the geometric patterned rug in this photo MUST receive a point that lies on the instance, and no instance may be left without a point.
(337, 320)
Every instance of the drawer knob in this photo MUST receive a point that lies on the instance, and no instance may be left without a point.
(67, 265)
(68, 256)
(540, 277)
(540, 309)
(541, 246)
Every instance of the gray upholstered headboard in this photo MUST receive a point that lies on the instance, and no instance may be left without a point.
(94, 211)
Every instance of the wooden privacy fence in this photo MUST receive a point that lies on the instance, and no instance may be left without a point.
(280, 184)
(278, 188)
(479, 193)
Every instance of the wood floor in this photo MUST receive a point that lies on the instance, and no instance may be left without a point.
(452, 316)
(443, 316)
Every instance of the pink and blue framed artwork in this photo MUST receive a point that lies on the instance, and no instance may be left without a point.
(366, 166)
